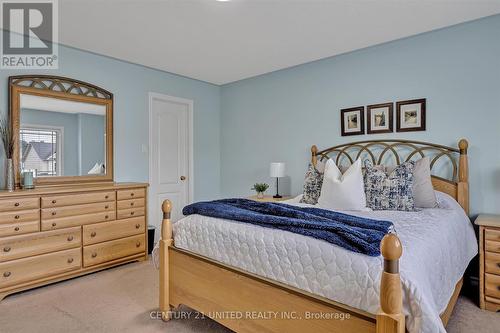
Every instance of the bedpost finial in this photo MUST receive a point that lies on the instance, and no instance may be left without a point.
(314, 149)
(166, 206)
(391, 247)
(463, 145)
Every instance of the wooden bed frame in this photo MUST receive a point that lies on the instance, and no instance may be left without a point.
(245, 302)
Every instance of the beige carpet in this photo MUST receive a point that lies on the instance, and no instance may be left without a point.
(121, 300)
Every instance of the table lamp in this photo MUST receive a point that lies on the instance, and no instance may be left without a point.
(277, 171)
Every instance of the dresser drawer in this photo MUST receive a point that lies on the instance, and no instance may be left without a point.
(19, 228)
(72, 221)
(131, 194)
(492, 285)
(77, 199)
(131, 203)
(45, 265)
(65, 211)
(492, 262)
(492, 234)
(102, 252)
(19, 204)
(20, 216)
(132, 212)
(16, 247)
(101, 232)
(491, 246)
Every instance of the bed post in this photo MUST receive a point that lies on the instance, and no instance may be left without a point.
(390, 318)
(314, 159)
(463, 176)
(165, 241)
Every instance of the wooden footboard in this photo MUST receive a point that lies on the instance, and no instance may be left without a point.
(245, 302)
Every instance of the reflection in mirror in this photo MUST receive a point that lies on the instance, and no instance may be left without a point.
(61, 137)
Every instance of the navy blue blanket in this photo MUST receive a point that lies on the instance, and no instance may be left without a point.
(357, 234)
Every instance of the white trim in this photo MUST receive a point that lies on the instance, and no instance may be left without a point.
(60, 143)
(190, 104)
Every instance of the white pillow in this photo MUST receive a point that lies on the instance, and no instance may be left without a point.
(97, 169)
(423, 191)
(342, 192)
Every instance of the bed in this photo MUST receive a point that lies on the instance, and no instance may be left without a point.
(254, 279)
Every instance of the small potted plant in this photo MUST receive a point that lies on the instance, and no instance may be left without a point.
(260, 188)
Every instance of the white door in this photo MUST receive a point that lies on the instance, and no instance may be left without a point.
(170, 172)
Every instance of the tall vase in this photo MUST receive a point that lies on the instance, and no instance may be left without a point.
(10, 175)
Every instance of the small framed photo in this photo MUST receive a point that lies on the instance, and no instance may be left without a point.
(380, 118)
(410, 115)
(352, 121)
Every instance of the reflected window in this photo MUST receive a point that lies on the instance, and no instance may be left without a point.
(41, 150)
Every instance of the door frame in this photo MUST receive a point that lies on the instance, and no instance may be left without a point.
(190, 104)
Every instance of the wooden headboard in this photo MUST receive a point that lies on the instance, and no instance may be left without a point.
(378, 151)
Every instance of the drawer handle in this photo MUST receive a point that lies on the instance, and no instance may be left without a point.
(498, 287)
(16, 204)
(54, 201)
(139, 244)
(70, 260)
(106, 197)
(106, 217)
(131, 204)
(137, 226)
(54, 213)
(132, 194)
(16, 217)
(93, 234)
(6, 274)
(94, 255)
(70, 238)
(106, 207)
(54, 224)
(16, 229)
(132, 213)
(6, 249)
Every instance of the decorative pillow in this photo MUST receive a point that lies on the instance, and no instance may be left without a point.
(312, 185)
(342, 191)
(390, 192)
(423, 191)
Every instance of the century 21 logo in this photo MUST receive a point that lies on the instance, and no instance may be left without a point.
(27, 27)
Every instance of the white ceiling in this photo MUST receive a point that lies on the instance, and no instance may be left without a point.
(222, 42)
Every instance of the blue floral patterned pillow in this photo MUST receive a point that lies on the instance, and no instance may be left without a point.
(390, 192)
(312, 185)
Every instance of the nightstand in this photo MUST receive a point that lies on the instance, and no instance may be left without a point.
(489, 261)
(269, 198)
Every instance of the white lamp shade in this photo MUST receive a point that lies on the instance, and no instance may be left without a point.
(277, 170)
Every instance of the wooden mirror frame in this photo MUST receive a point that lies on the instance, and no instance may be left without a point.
(67, 89)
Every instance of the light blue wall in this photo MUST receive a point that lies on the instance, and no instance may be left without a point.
(91, 145)
(278, 116)
(69, 123)
(130, 85)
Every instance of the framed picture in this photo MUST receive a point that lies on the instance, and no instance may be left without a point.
(380, 118)
(410, 115)
(352, 121)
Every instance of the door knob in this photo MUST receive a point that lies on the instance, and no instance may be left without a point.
(183, 177)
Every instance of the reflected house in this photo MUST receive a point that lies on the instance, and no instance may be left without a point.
(39, 156)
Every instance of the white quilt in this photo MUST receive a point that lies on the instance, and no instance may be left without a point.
(438, 244)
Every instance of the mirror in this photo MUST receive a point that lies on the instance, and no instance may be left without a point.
(61, 137)
(64, 135)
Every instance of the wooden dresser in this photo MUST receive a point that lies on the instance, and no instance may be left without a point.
(55, 233)
(489, 261)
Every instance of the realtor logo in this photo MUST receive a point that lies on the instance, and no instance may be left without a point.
(29, 34)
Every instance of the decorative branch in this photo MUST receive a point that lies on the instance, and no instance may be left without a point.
(7, 137)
